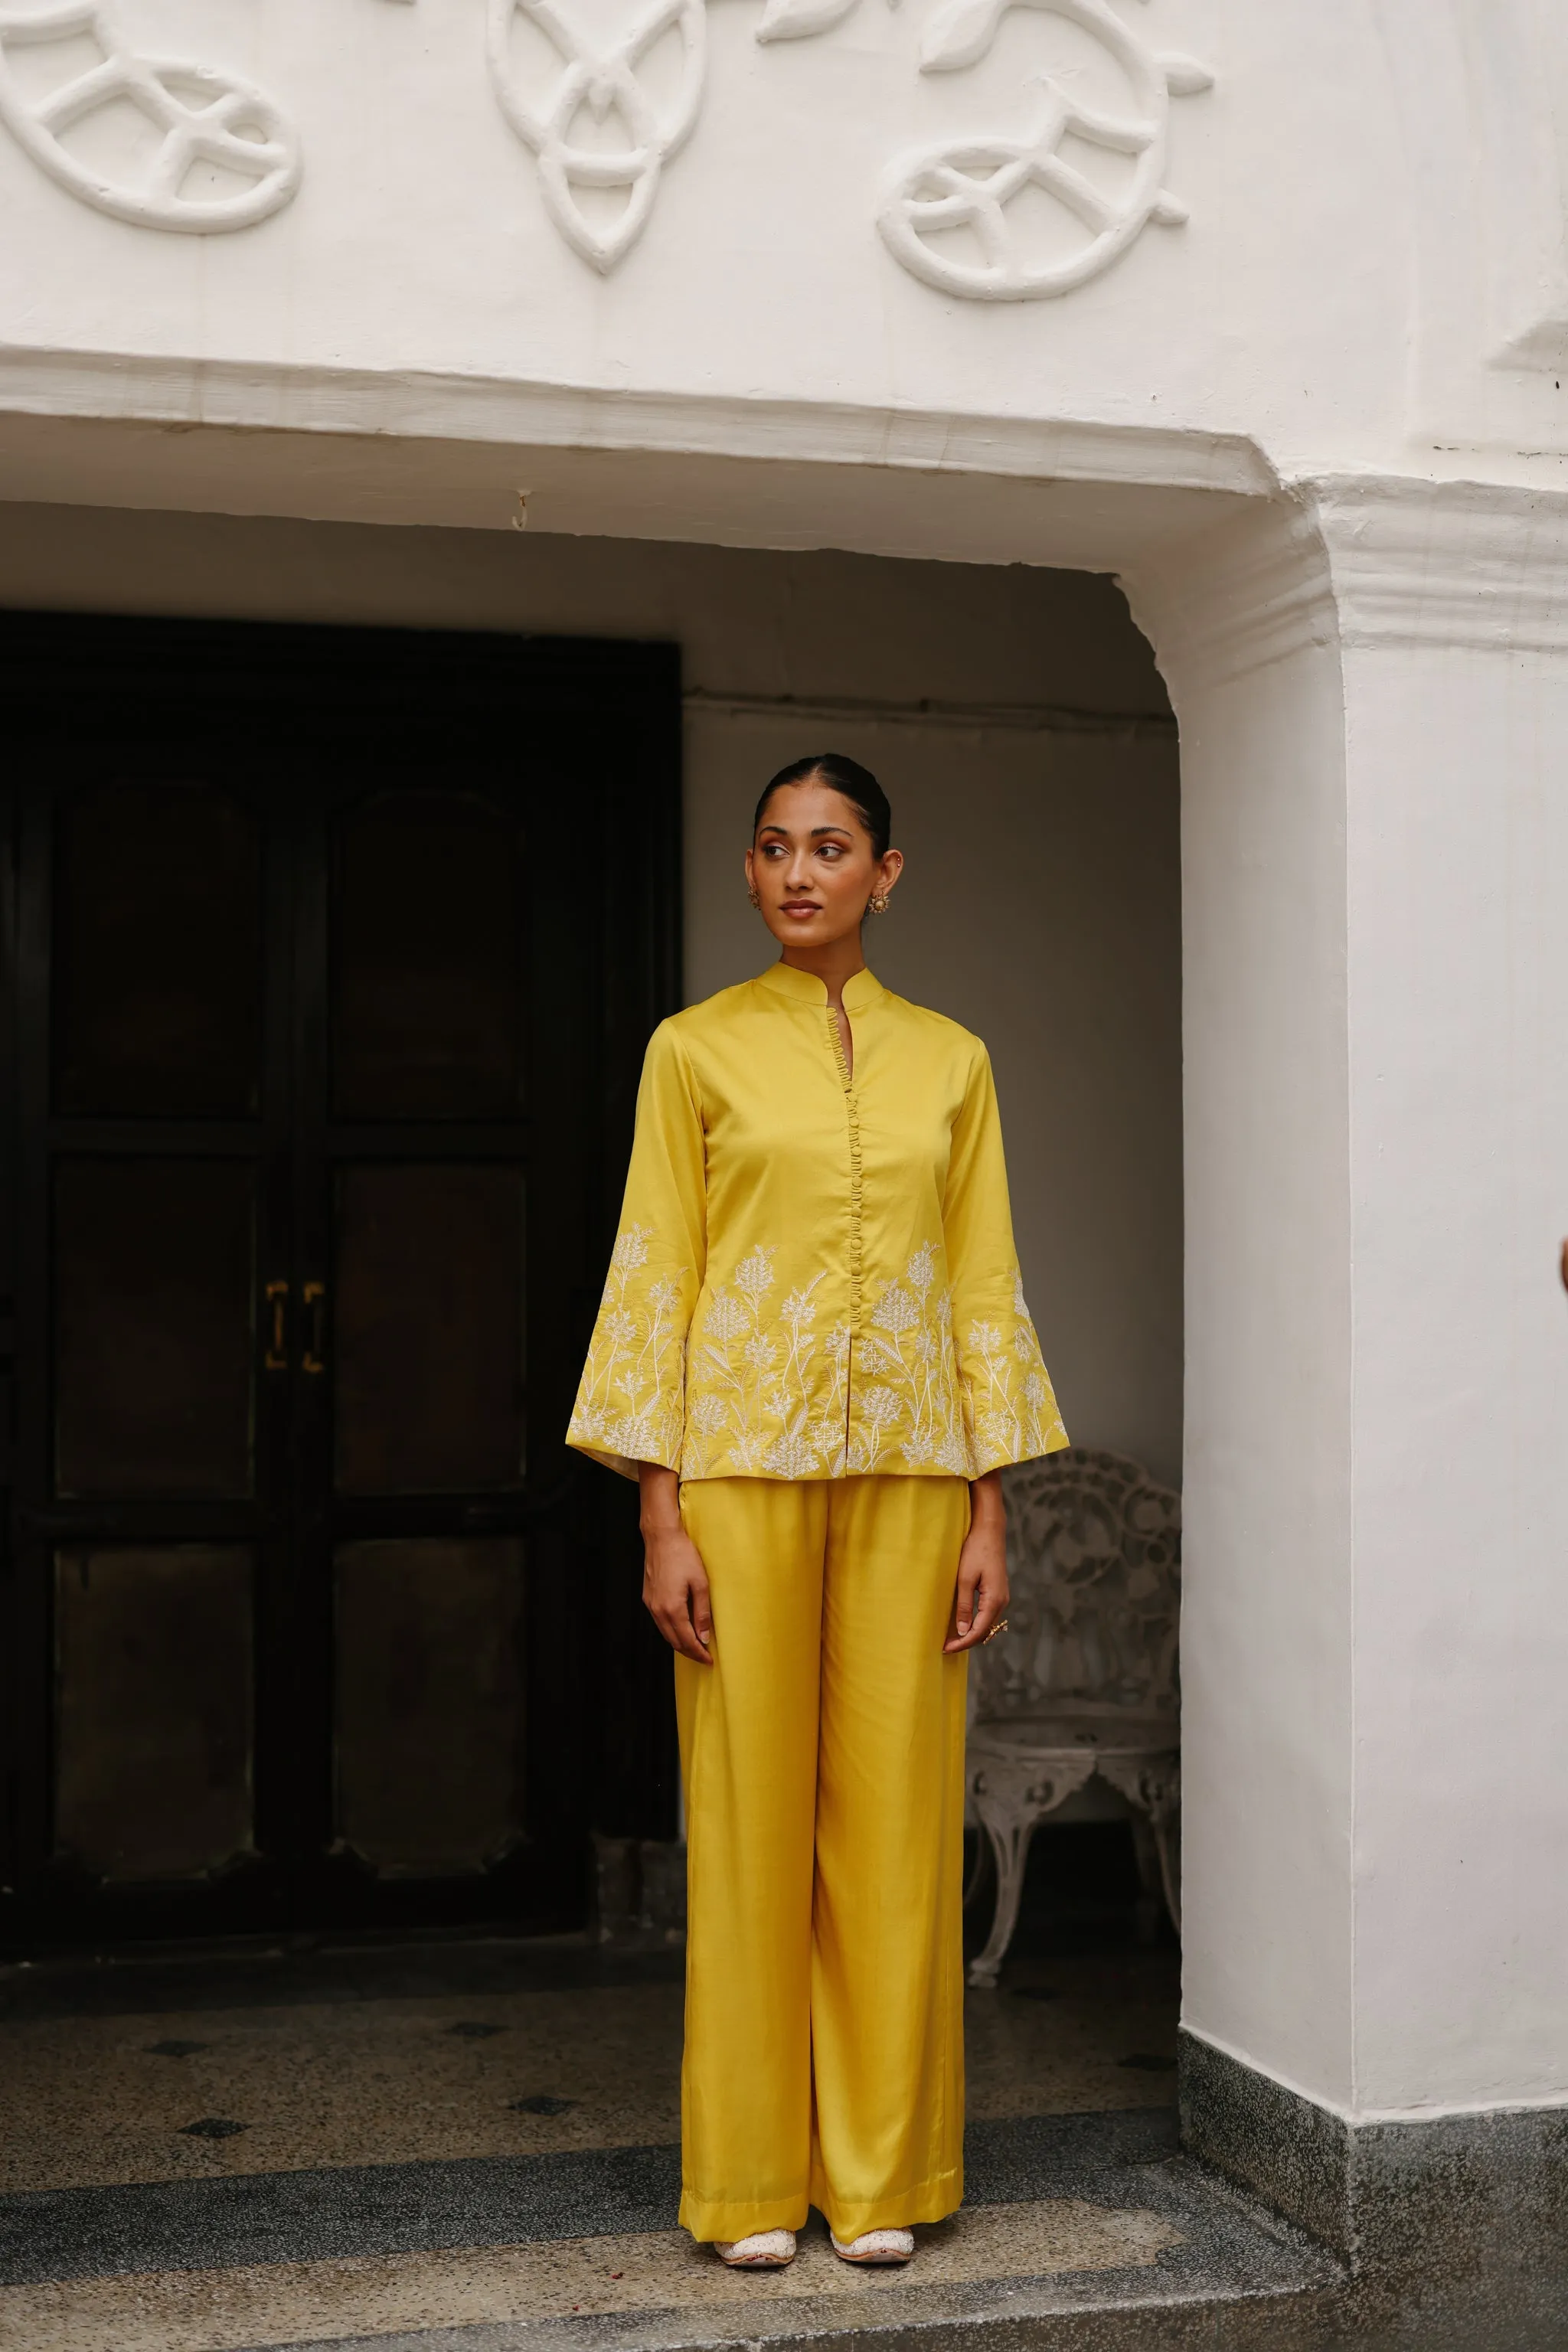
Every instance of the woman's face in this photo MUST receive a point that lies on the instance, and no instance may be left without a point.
(811, 865)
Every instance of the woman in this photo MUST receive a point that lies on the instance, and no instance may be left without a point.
(814, 1356)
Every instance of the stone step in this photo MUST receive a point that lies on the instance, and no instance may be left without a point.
(1078, 2230)
(1277, 2306)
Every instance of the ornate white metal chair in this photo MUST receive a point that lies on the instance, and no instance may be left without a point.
(1085, 1681)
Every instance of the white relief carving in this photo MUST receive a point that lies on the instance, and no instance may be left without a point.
(966, 183)
(206, 115)
(601, 76)
(797, 20)
(969, 182)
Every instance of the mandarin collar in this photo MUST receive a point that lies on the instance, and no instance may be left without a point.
(860, 991)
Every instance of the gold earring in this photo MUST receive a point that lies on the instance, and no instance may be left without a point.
(751, 894)
(879, 902)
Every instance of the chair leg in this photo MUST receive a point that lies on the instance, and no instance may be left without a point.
(1153, 1784)
(1151, 1889)
(976, 1868)
(1168, 1838)
(1010, 1846)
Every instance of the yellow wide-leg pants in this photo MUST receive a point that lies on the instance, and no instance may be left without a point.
(823, 1756)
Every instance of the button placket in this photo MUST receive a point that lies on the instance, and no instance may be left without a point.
(852, 1115)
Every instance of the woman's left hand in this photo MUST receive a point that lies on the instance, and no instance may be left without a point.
(981, 1597)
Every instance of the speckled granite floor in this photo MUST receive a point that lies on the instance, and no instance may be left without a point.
(94, 2100)
(475, 2148)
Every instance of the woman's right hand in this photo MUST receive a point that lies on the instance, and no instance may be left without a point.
(674, 1582)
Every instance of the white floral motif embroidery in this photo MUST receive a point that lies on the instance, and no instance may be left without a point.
(911, 1413)
(770, 1395)
(759, 1413)
(1012, 1411)
(629, 1403)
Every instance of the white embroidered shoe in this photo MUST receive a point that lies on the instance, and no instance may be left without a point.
(769, 2250)
(876, 2246)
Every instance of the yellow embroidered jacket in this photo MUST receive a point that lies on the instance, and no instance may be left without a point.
(814, 1272)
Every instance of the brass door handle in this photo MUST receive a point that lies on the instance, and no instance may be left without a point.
(277, 1356)
(314, 1359)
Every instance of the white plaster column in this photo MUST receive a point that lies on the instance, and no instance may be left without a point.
(1371, 684)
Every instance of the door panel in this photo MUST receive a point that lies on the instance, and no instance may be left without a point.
(428, 1329)
(325, 1072)
(154, 1710)
(154, 1344)
(158, 952)
(429, 1703)
(430, 954)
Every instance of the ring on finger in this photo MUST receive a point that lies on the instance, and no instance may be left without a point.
(999, 1627)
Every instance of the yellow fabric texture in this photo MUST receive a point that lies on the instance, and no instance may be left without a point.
(823, 1756)
(815, 1274)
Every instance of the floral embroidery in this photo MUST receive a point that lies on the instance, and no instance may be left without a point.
(912, 1416)
(770, 1395)
(1013, 1414)
(631, 1399)
(759, 1405)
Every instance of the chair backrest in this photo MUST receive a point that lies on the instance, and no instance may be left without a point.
(1094, 1560)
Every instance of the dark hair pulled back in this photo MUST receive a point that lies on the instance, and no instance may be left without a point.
(842, 775)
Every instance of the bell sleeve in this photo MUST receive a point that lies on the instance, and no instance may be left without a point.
(631, 1401)
(1009, 1409)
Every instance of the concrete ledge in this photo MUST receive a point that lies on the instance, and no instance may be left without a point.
(1469, 2202)
(1294, 2154)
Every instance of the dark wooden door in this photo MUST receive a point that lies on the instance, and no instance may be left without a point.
(333, 956)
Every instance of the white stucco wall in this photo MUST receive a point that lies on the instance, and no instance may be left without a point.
(1372, 273)
(1042, 902)
(1372, 689)
(1459, 961)
(1269, 1767)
